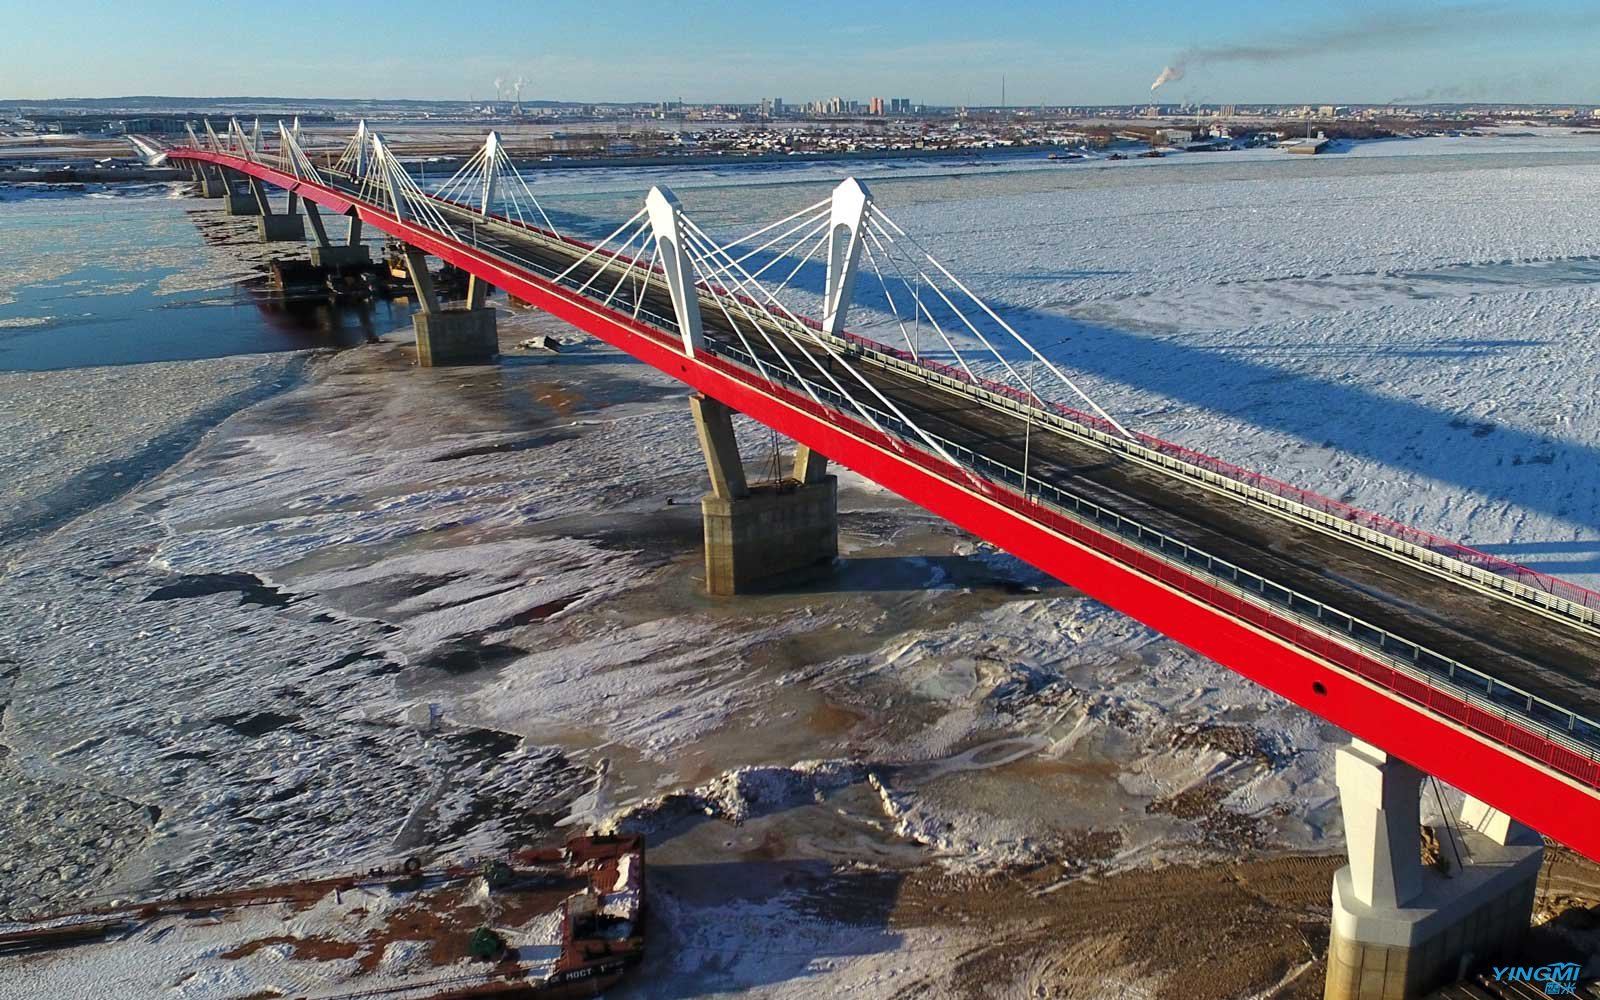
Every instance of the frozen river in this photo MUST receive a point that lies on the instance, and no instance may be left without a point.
(270, 607)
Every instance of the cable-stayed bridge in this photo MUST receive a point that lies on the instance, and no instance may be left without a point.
(1437, 658)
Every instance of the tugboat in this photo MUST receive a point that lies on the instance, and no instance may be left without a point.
(561, 922)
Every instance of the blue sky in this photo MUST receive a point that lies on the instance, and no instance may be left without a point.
(939, 51)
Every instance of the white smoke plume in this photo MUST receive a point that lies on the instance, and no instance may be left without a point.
(1168, 75)
(1397, 28)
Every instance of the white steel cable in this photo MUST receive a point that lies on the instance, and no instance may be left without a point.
(768, 228)
(722, 272)
(696, 260)
(612, 258)
(803, 382)
(638, 293)
(927, 439)
(810, 220)
(981, 338)
(632, 268)
(803, 262)
(1014, 334)
(596, 248)
(797, 244)
(924, 307)
(893, 309)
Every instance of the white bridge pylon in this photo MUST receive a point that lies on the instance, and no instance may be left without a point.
(386, 180)
(489, 181)
(292, 159)
(846, 223)
(702, 273)
(353, 159)
(666, 223)
(246, 147)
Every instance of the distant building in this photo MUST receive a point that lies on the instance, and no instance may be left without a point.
(1307, 147)
(875, 107)
(902, 106)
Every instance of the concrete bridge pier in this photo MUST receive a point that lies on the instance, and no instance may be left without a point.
(326, 253)
(237, 202)
(1400, 929)
(213, 184)
(286, 227)
(762, 536)
(459, 336)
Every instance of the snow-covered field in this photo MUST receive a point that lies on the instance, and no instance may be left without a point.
(394, 611)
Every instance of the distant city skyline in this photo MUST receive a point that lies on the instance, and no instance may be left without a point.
(1231, 51)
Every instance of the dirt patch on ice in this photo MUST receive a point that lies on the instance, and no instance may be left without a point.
(1196, 933)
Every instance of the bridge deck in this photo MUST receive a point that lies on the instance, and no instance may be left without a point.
(1512, 643)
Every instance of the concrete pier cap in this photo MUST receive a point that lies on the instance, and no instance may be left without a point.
(456, 337)
(281, 228)
(460, 335)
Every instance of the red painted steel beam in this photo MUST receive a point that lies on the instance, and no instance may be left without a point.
(1430, 729)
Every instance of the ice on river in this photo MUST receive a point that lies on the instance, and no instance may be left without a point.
(398, 610)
